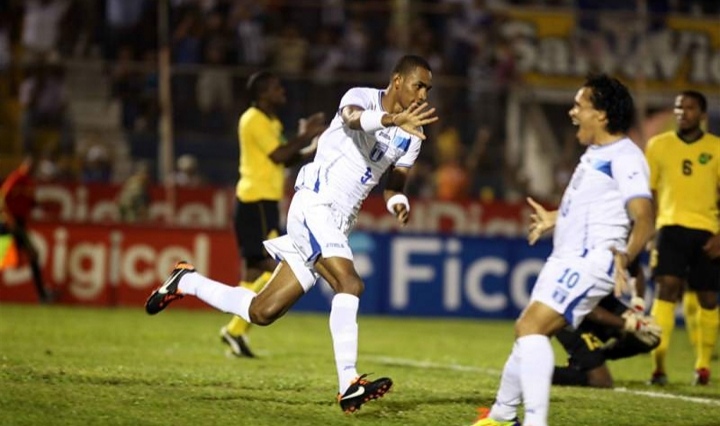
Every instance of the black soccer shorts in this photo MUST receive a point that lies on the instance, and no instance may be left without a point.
(678, 252)
(254, 223)
(584, 348)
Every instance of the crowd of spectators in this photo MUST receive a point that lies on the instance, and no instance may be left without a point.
(314, 44)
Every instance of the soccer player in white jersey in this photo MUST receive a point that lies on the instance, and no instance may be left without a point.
(604, 220)
(373, 131)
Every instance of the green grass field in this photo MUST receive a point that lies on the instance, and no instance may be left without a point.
(80, 366)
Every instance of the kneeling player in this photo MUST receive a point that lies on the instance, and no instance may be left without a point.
(611, 331)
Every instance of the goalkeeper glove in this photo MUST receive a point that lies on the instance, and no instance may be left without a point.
(644, 328)
(637, 304)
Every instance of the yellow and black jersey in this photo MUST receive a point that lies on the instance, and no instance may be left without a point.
(685, 177)
(260, 177)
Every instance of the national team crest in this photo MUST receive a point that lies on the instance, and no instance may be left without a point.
(705, 158)
(377, 152)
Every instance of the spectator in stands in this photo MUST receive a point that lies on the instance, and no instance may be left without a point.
(123, 19)
(250, 34)
(149, 94)
(41, 28)
(126, 86)
(452, 179)
(214, 90)
(134, 198)
(97, 167)
(17, 199)
(44, 100)
(187, 172)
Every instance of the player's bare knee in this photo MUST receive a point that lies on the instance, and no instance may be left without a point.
(264, 314)
(351, 285)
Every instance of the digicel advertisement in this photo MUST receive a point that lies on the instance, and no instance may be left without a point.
(111, 265)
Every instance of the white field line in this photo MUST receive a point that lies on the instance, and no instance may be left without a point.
(404, 362)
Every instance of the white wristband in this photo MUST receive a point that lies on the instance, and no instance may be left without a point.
(371, 121)
(398, 199)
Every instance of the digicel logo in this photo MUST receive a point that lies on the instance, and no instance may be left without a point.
(86, 261)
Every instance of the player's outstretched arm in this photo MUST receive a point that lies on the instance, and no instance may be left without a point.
(411, 120)
(540, 222)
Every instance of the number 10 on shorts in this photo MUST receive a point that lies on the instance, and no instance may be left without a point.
(568, 279)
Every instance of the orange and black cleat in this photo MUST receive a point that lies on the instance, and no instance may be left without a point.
(362, 391)
(168, 292)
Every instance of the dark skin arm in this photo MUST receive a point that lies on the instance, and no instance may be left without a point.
(395, 185)
(289, 153)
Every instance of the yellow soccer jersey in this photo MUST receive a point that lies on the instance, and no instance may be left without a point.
(260, 177)
(685, 177)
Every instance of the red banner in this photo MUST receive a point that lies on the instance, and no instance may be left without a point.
(111, 265)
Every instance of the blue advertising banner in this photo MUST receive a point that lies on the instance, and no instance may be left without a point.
(440, 275)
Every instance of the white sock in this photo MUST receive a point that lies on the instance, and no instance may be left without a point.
(233, 300)
(509, 393)
(536, 368)
(344, 330)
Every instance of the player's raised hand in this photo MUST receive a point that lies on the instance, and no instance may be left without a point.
(315, 124)
(540, 221)
(415, 116)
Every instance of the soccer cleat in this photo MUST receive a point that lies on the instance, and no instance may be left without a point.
(702, 377)
(168, 292)
(658, 379)
(238, 344)
(362, 391)
(484, 419)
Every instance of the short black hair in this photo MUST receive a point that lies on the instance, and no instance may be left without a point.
(610, 95)
(408, 63)
(699, 97)
(258, 83)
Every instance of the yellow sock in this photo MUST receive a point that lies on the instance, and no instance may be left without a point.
(238, 326)
(691, 308)
(708, 322)
(664, 313)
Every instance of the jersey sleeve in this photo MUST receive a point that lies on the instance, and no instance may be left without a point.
(651, 157)
(631, 171)
(358, 96)
(408, 159)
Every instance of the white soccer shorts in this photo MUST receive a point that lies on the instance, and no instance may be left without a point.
(572, 287)
(314, 228)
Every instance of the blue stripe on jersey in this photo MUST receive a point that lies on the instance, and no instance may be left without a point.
(602, 166)
(402, 143)
(316, 187)
(313, 244)
(568, 314)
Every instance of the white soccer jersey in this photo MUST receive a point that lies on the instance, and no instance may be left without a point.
(592, 217)
(349, 163)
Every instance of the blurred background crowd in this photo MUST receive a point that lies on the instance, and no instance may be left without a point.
(80, 84)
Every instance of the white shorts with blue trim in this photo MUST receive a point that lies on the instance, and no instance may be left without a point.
(314, 228)
(572, 286)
